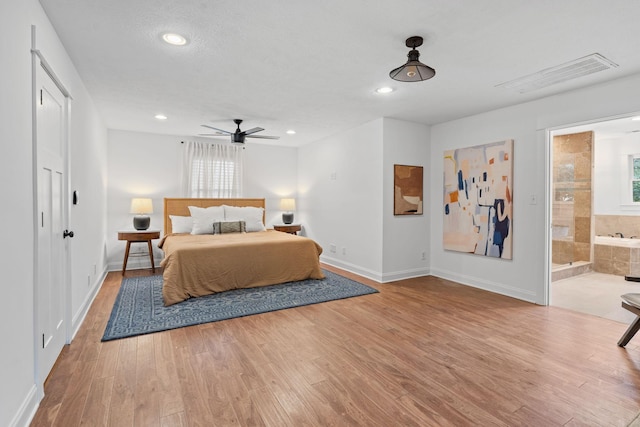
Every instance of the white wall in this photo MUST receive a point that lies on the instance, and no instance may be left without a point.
(610, 174)
(88, 176)
(16, 263)
(524, 276)
(18, 390)
(340, 193)
(150, 165)
(405, 238)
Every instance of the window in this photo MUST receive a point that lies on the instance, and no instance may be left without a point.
(633, 179)
(211, 177)
(212, 170)
(634, 175)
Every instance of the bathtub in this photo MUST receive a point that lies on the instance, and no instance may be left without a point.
(617, 241)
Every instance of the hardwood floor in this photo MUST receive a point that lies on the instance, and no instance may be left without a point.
(421, 352)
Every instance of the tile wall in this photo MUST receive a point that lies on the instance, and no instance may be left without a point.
(571, 215)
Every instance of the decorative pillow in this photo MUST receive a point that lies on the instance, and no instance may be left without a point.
(229, 227)
(181, 224)
(203, 218)
(252, 216)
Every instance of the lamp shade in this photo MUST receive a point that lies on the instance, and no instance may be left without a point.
(141, 206)
(288, 205)
(413, 70)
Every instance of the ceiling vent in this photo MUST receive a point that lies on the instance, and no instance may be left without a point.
(584, 66)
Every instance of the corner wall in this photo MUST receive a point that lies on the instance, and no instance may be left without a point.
(340, 192)
(346, 192)
(405, 239)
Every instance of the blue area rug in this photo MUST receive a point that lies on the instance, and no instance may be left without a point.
(139, 308)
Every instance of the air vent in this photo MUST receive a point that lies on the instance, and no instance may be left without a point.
(584, 66)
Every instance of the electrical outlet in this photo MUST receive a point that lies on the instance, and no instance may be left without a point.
(344, 251)
(332, 248)
(89, 280)
(533, 200)
(424, 255)
(334, 176)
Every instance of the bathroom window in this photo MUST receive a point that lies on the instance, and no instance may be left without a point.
(634, 174)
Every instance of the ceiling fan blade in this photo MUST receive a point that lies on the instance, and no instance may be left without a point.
(223, 132)
(219, 135)
(252, 130)
(263, 136)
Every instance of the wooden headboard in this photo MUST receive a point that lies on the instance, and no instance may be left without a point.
(181, 207)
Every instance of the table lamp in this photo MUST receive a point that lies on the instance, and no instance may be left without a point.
(287, 205)
(141, 207)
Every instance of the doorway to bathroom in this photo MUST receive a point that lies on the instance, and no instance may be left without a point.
(595, 220)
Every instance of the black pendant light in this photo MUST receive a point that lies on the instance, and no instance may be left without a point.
(413, 70)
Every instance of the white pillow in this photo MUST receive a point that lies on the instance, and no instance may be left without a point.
(203, 218)
(181, 224)
(252, 216)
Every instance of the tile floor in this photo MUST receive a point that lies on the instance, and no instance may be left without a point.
(594, 293)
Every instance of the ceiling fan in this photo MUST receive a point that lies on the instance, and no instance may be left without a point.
(238, 136)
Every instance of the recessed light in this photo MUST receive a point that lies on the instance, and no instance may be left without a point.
(637, 118)
(385, 89)
(291, 132)
(174, 39)
(161, 117)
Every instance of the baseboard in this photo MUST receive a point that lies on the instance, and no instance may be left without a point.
(27, 410)
(79, 317)
(498, 288)
(374, 275)
(406, 274)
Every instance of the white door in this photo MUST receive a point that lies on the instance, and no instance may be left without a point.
(50, 281)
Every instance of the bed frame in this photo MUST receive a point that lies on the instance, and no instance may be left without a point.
(181, 207)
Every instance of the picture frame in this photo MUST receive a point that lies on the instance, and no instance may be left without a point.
(408, 190)
(478, 200)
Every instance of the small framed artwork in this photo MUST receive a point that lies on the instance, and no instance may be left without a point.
(407, 194)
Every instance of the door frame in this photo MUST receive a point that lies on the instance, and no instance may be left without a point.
(38, 60)
(549, 134)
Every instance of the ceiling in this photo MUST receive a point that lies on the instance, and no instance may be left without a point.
(313, 66)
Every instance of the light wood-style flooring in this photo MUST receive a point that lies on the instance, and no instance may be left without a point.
(422, 352)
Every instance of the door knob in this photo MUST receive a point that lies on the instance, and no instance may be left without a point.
(67, 233)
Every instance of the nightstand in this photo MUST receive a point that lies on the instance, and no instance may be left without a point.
(135, 236)
(288, 228)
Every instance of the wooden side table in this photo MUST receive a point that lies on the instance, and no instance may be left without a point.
(133, 236)
(288, 228)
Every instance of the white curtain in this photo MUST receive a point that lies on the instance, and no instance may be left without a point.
(212, 170)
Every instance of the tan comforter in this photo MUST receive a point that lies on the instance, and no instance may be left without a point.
(197, 265)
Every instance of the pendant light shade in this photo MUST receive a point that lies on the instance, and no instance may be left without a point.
(413, 70)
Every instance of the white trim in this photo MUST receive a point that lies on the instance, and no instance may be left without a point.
(38, 60)
(405, 274)
(555, 129)
(46, 65)
(548, 192)
(499, 288)
(375, 275)
(81, 314)
(352, 268)
(27, 410)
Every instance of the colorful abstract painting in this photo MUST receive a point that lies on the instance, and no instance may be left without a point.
(478, 200)
(407, 197)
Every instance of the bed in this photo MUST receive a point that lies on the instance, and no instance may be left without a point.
(200, 264)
